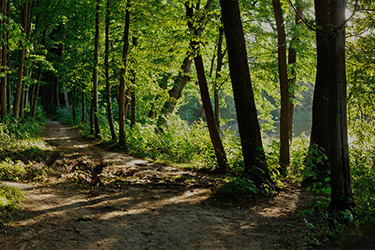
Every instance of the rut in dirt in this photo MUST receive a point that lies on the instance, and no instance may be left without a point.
(103, 199)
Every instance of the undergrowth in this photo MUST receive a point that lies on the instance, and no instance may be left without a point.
(22, 152)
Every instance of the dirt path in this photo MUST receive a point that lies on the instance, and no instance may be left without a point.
(148, 206)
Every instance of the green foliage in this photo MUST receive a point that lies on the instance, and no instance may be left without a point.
(237, 188)
(362, 160)
(10, 202)
(12, 171)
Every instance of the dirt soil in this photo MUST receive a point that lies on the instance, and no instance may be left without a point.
(98, 198)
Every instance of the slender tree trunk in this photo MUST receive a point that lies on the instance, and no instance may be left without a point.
(292, 59)
(17, 99)
(83, 97)
(22, 101)
(66, 97)
(341, 195)
(4, 48)
(95, 71)
(284, 88)
(219, 65)
(92, 114)
(74, 104)
(58, 93)
(34, 99)
(132, 93)
(83, 103)
(122, 110)
(9, 98)
(251, 141)
(108, 86)
(205, 95)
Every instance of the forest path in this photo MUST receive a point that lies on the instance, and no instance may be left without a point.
(154, 206)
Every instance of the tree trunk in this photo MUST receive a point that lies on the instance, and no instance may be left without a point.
(284, 88)
(122, 77)
(320, 127)
(17, 99)
(22, 101)
(66, 98)
(4, 48)
(95, 72)
(133, 118)
(58, 93)
(219, 65)
(176, 92)
(251, 141)
(205, 95)
(341, 194)
(108, 86)
(74, 105)
(292, 59)
(83, 102)
(34, 99)
(83, 97)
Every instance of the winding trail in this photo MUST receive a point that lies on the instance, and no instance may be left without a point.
(155, 206)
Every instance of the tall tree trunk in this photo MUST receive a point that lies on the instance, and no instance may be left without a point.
(4, 48)
(74, 105)
(34, 99)
(122, 78)
(83, 103)
(341, 195)
(107, 78)
(292, 59)
(219, 65)
(22, 101)
(83, 97)
(58, 93)
(320, 127)
(65, 92)
(17, 99)
(35, 93)
(132, 93)
(205, 95)
(284, 88)
(95, 71)
(9, 98)
(251, 141)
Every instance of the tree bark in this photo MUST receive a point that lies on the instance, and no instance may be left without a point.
(251, 141)
(95, 72)
(320, 128)
(108, 86)
(17, 98)
(133, 109)
(205, 95)
(219, 65)
(284, 88)
(341, 194)
(83, 97)
(292, 60)
(34, 99)
(176, 92)
(66, 97)
(4, 48)
(122, 78)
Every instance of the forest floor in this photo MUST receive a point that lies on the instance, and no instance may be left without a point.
(99, 198)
